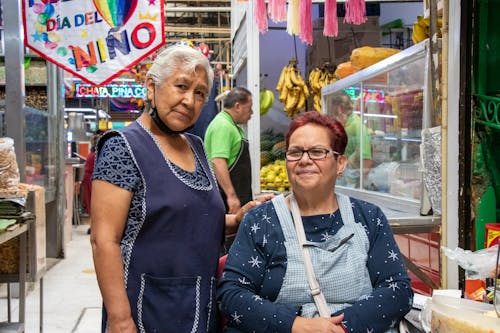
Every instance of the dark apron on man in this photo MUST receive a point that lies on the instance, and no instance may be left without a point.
(241, 175)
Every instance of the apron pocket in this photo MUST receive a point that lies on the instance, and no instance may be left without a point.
(168, 304)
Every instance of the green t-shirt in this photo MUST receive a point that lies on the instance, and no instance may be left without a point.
(223, 138)
(353, 131)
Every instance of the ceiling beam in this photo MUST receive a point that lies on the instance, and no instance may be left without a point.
(198, 2)
(196, 9)
(201, 30)
(201, 39)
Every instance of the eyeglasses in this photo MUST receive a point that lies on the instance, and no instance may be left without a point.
(314, 154)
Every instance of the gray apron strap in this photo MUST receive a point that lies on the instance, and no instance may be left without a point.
(345, 208)
(316, 293)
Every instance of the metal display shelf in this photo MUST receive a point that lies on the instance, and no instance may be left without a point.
(403, 215)
(20, 231)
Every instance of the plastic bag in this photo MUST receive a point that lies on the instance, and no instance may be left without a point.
(9, 171)
(478, 265)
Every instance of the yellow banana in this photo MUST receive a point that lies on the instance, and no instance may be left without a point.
(305, 91)
(302, 100)
(281, 80)
(314, 79)
(288, 80)
(317, 103)
(283, 94)
(295, 77)
(291, 99)
(419, 33)
(312, 75)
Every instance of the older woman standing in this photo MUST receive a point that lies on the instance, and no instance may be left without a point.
(157, 216)
(355, 259)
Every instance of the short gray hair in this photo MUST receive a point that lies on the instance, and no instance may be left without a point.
(236, 95)
(179, 57)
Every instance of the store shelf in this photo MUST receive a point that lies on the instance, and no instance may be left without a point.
(486, 109)
(11, 327)
(21, 232)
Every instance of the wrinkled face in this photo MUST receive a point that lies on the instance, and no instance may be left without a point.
(244, 111)
(313, 175)
(180, 98)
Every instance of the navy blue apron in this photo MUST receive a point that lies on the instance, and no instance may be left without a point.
(171, 271)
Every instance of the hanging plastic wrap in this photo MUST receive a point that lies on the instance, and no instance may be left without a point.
(292, 23)
(260, 15)
(305, 12)
(277, 10)
(355, 11)
(331, 27)
(9, 171)
(430, 151)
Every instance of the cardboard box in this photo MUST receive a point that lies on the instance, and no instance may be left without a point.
(338, 49)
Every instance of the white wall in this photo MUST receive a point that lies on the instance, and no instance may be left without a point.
(407, 11)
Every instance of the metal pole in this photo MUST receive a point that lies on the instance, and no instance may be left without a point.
(14, 80)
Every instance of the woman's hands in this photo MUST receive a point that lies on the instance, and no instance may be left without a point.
(233, 220)
(251, 204)
(318, 325)
(121, 326)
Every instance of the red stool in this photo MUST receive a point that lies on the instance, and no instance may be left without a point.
(222, 262)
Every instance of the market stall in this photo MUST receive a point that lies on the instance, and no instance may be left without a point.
(397, 177)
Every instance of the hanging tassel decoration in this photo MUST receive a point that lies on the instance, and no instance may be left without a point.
(260, 15)
(270, 8)
(331, 27)
(281, 11)
(355, 11)
(292, 23)
(305, 12)
(277, 10)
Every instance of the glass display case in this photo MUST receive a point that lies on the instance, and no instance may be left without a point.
(384, 109)
(40, 152)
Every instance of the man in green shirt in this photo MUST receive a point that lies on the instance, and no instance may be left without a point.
(358, 134)
(227, 149)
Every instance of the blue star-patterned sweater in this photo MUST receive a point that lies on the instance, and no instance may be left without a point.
(256, 266)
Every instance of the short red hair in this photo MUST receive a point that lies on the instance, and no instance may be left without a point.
(338, 136)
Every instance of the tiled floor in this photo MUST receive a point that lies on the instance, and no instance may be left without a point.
(71, 298)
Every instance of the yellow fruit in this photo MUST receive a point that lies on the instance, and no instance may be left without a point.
(365, 56)
(419, 33)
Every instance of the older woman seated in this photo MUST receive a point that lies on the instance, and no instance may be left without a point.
(355, 260)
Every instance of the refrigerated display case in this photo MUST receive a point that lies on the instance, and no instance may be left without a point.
(390, 103)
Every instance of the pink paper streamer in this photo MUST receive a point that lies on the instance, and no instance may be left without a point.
(277, 10)
(305, 13)
(331, 26)
(355, 11)
(260, 15)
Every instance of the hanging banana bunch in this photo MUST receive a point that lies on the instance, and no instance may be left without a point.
(318, 78)
(293, 90)
(421, 29)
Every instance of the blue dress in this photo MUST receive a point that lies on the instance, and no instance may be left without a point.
(173, 234)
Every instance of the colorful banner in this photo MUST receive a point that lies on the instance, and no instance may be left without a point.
(95, 40)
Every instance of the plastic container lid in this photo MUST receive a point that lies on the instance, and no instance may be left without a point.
(456, 315)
